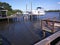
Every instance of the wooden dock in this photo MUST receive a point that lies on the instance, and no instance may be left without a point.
(50, 25)
(50, 39)
(8, 17)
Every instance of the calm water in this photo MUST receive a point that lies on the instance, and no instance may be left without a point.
(24, 32)
(51, 15)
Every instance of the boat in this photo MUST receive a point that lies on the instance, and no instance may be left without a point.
(38, 11)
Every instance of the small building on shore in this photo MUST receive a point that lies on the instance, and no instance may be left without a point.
(3, 12)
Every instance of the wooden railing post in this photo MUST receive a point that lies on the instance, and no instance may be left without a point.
(53, 27)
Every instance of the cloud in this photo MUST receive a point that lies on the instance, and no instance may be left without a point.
(58, 2)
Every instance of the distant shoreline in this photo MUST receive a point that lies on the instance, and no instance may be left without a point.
(53, 11)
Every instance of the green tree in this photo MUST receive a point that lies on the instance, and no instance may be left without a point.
(17, 10)
(6, 6)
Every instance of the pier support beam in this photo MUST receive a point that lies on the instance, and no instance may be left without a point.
(8, 20)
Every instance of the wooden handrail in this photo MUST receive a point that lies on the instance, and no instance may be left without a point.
(49, 39)
(50, 20)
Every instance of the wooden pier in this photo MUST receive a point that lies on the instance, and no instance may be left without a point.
(47, 41)
(8, 17)
(49, 25)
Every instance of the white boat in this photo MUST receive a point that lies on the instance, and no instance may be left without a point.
(38, 11)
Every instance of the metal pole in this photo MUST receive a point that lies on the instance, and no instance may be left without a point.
(26, 8)
(31, 11)
(31, 6)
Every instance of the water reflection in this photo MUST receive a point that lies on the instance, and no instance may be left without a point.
(22, 32)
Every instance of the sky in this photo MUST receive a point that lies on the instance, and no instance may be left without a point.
(46, 4)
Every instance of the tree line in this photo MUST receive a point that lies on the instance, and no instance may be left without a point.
(8, 7)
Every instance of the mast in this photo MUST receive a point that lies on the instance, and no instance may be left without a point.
(31, 6)
(26, 8)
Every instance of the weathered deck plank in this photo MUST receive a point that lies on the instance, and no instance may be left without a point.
(49, 39)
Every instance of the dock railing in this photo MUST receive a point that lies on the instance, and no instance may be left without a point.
(50, 23)
(48, 40)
